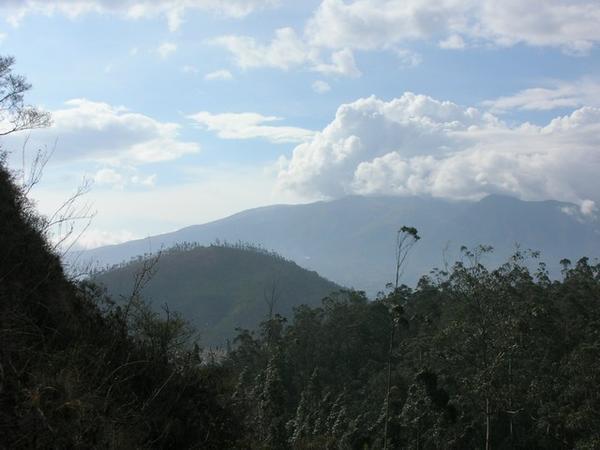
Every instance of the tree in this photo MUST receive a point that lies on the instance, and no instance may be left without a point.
(15, 115)
(271, 407)
(406, 238)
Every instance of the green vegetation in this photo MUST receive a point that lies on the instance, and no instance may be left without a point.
(221, 287)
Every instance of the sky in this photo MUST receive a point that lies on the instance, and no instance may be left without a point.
(179, 112)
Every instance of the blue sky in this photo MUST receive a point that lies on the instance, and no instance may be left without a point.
(184, 111)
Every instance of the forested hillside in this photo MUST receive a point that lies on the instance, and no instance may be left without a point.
(480, 359)
(221, 287)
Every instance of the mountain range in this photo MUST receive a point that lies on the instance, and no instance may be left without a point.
(351, 240)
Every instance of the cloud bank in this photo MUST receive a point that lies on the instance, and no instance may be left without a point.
(88, 130)
(339, 28)
(571, 25)
(417, 145)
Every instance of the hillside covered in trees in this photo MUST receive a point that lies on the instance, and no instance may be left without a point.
(481, 359)
(221, 287)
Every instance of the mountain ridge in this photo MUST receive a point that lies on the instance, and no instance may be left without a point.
(351, 240)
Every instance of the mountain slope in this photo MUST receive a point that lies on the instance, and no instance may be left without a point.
(351, 240)
(222, 288)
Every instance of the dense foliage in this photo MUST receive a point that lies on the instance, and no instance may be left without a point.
(482, 359)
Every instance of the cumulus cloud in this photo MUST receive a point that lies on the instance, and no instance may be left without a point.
(378, 24)
(173, 10)
(249, 126)
(416, 145)
(557, 94)
(98, 131)
(221, 75)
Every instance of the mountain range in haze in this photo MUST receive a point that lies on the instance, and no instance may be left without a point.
(351, 241)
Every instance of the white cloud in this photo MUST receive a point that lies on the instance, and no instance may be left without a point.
(371, 24)
(222, 75)
(557, 94)
(338, 28)
(342, 63)
(173, 10)
(101, 132)
(588, 207)
(166, 49)
(120, 179)
(416, 145)
(250, 126)
(286, 51)
(379, 24)
(321, 87)
(2, 37)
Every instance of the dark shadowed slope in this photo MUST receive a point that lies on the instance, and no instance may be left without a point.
(76, 373)
(351, 240)
(221, 288)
